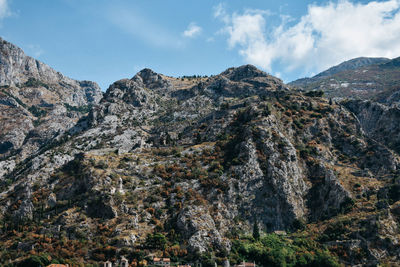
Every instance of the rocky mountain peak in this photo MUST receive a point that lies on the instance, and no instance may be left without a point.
(22, 71)
(244, 81)
(17, 67)
(243, 72)
(133, 92)
(150, 79)
(147, 74)
(4, 45)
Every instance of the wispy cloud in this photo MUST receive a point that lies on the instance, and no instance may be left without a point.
(143, 28)
(34, 50)
(220, 12)
(326, 35)
(192, 30)
(4, 9)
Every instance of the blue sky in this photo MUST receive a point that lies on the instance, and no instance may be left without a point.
(107, 40)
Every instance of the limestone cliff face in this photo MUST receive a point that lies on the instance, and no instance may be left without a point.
(200, 161)
(37, 103)
(380, 122)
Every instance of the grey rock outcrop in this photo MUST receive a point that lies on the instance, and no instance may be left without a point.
(327, 197)
(196, 224)
(25, 211)
(380, 122)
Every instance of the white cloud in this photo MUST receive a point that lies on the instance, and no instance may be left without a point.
(220, 12)
(192, 31)
(4, 9)
(34, 50)
(210, 39)
(326, 35)
(143, 28)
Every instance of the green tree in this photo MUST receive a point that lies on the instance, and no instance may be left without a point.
(156, 240)
(256, 230)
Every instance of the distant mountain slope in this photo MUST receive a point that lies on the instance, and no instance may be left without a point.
(364, 78)
(352, 64)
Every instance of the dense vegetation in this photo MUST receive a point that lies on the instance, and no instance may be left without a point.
(279, 250)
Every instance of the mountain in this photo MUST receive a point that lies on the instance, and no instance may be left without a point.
(22, 71)
(194, 169)
(37, 103)
(363, 78)
(351, 64)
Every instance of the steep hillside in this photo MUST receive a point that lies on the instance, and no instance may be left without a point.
(363, 78)
(352, 64)
(37, 104)
(379, 121)
(189, 168)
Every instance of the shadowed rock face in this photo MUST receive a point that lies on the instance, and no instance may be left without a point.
(5, 146)
(199, 161)
(380, 122)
